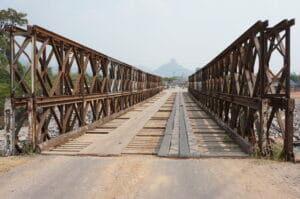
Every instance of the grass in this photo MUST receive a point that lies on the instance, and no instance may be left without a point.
(276, 153)
(26, 150)
(227, 139)
(7, 163)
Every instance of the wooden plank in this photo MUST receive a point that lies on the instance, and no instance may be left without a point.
(63, 146)
(205, 140)
(147, 138)
(106, 127)
(141, 147)
(117, 121)
(166, 142)
(219, 149)
(226, 154)
(69, 144)
(97, 132)
(212, 135)
(156, 117)
(162, 114)
(245, 145)
(64, 150)
(123, 118)
(208, 130)
(184, 150)
(217, 144)
(151, 132)
(205, 125)
(199, 117)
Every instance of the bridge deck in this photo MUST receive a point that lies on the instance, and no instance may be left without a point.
(169, 124)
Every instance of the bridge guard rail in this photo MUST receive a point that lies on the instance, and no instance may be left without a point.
(245, 89)
(59, 85)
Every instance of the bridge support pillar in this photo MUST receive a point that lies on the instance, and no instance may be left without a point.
(7, 135)
(289, 131)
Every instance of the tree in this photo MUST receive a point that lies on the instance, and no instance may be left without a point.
(12, 17)
(169, 79)
(295, 77)
(7, 17)
(197, 69)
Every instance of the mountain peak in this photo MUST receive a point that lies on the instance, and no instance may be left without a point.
(173, 61)
(172, 68)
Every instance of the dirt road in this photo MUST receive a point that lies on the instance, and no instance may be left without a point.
(149, 177)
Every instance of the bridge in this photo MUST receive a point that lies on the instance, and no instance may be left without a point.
(73, 100)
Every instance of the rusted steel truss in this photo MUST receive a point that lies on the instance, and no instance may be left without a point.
(68, 85)
(242, 89)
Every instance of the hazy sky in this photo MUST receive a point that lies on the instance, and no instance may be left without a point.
(151, 32)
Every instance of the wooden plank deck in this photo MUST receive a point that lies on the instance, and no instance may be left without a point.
(149, 139)
(207, 138)
(174, 127)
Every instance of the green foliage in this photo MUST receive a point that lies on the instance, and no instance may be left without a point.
(12, 17)
(169, 79)
(276, 152)
(4, 51)
(7, 17)
(227, 139)
(295, 77)
(5, 89)
(25, 149)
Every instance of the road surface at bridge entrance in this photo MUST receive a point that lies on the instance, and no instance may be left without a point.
(115, 133)
(149, 177)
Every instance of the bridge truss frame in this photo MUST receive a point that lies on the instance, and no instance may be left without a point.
(241, 89)
(88, 86)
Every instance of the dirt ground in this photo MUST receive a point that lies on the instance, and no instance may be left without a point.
(147, 177)
(295, 95)
(252, 176)
(7, 163)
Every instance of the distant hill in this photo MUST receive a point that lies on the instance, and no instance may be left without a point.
(145, 68)
(172, 68)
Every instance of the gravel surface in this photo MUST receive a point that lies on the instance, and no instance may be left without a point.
(148, 177)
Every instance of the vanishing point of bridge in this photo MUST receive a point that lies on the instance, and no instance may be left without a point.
(73, 100)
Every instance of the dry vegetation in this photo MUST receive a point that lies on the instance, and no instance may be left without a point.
(7, 163)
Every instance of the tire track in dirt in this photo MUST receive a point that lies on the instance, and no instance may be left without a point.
(123, 178)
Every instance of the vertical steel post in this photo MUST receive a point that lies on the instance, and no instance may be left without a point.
(11, 126)
(263, 112)
(32, 101)
(289, 111)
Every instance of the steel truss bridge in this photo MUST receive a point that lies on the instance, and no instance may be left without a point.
(74, 88)
(241, 89)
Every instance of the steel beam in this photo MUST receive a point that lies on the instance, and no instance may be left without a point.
(240, 86)
(87, 87)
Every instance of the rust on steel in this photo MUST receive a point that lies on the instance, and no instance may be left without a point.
(246, 92)
(87, 86)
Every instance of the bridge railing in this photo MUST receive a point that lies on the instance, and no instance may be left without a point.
(247, 88)
(59, 86)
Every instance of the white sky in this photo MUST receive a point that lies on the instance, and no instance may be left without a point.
(151, 32)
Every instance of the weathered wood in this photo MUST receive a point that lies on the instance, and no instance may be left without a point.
(166, 142)
(184, 150)
(50, 144)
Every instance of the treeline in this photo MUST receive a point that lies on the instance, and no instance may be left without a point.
(12, 17)
(295, 77)
(7, 17)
